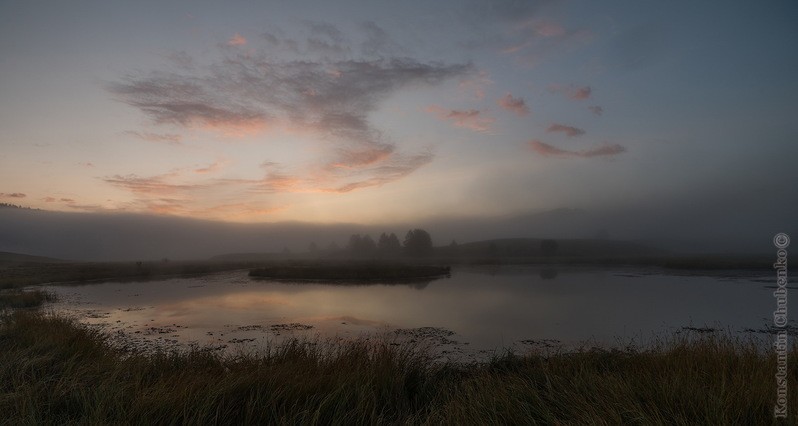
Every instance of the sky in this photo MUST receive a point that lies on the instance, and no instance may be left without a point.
(382, 112)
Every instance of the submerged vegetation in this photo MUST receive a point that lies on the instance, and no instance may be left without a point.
(53, 370)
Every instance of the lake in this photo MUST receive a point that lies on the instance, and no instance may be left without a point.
(475, 311)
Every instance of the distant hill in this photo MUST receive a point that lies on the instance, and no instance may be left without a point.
(531, 247)
(6, 257)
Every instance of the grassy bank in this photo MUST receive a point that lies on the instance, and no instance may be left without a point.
(52, 371)
(16, 299)
(25, 274)
(358, 271)
(21, 274)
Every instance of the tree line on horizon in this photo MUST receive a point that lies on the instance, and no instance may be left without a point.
(416, 243)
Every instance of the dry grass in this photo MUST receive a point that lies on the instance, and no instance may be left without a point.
(54, 371)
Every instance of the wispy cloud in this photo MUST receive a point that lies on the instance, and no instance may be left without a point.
(547, 150)
(596, 110)
(12, 195)
(55, 200)
(471, 119)
(212, 168)
(154, 185)
(168, 138)
(570, 131)
(237, 40)
(515, 105)
(325, 99)
(577, 93)
(337, 179)
(175, 193)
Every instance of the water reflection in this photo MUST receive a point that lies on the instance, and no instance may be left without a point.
(484, 307)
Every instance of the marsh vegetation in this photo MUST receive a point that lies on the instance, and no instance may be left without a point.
(53, 370)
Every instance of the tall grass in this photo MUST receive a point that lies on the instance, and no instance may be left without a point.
(16, 299)
(55, 371)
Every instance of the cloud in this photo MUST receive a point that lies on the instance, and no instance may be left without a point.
(237, 40)
(178, 99)
(570, 131)
(211, 168)
(469, 119)
(86, 164)
(167, 138)
(547, 150)
(386, 172)
(378, 43)
(548, 29)
(53, 200)
(338, 179)
(174, 194)
(516, 105)
(476, 84)
(576, 93)
(326, 99)
(326, 39)
(12, 195)
(596, 110)
(154, 185)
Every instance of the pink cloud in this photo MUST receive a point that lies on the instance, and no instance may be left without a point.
(155, 185)
(570, 131)
(476, 84)
(547, 150)
(470, 119)
(596, 110)
(572, 92)
(12, 195)
(516, 105)
(53, 200)
(211, 168)
(549, 29)
(237, 40)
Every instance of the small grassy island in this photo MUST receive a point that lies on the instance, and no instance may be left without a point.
(351, 271)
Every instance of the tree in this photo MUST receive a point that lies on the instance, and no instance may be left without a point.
(367, 245)
(548, 247)
(361, 245)
(418, 242)
(354, 243)
(454, 248)
(389, 244)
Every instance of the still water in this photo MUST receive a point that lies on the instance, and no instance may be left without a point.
(476, 310)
